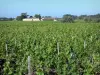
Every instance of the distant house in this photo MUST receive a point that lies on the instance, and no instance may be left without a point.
(49, 19)
(31, 19)
(55, 19)
(37, 19)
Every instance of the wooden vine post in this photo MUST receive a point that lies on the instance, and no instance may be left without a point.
(29, 65)
(6, 50)
(58, 47)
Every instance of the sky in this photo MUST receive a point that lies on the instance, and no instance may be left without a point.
(55, 8)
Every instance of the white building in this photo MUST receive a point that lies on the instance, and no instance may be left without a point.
(31, 19)
(55, 20)
(37, 19)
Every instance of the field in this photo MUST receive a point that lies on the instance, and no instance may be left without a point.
(54, 47)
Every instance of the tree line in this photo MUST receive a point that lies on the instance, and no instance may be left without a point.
(86, 18)
(24, 15)
(6, 19)
(67, 18)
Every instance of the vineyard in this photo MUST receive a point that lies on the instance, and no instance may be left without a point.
(54, 48)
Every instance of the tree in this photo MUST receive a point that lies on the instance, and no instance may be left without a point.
(46, 17)
(3, 19)
(68, 18)
(10, 19)
(38, 16)
(82, 16)
(18, 18)
(88, 19)
(22, 16)
(92, 18)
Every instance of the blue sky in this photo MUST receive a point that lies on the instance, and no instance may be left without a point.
(55, 8)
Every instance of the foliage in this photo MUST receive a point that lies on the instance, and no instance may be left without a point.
(82, 16)
(38, 16)
(91, 18)
(46, 16)
(68, 18)
(78, 45)
(18, 18)
(22, 16)
(6, 19)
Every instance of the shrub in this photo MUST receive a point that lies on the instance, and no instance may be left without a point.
(68, 18)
